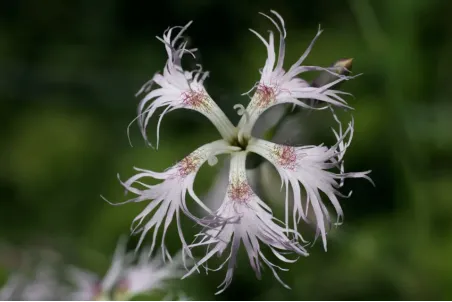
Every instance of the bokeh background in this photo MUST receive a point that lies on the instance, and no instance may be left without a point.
(68, 74)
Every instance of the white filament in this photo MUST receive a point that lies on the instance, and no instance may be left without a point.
(242, 111)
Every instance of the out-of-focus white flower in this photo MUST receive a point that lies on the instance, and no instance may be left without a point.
(11, 287)
(243, 216)
(125, 278)
(121, 259)
(251, 222)
(148, 275)
(40, 285)
(45, 285)
(35, 276)
(89, 286)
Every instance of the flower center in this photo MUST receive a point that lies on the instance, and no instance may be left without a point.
(241, 142)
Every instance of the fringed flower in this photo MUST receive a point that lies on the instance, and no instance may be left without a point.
(242, 217)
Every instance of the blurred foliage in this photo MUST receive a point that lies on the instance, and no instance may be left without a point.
(68, 74)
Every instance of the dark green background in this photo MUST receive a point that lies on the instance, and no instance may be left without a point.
(68, 74)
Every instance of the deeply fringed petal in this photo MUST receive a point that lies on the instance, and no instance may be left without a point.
(245, 218)
(310, 168)
(278, 86)
(168, 198)
(178, 88)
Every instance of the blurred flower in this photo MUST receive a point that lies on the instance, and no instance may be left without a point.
(42, 285)
(45, 286)
(88, 286)
(11, 287)
(124, 279)
(242, 216)
(147, 275)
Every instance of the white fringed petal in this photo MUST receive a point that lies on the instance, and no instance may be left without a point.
(244, 218)
(169, 197)
(277, 86)
(179, 89)
(309, 167)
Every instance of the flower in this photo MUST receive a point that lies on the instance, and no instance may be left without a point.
(11, 286)
(88, 286)
(124, 279)
(147, 275)
(242, 216)
(42, 285)
(35, 275)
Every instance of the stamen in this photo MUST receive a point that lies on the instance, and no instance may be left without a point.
(265, 95)
(242, 111)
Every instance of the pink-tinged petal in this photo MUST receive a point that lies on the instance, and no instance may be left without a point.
(244, 218)
(177, 88)
(277, 86)
(168, 198)
(309, 168)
